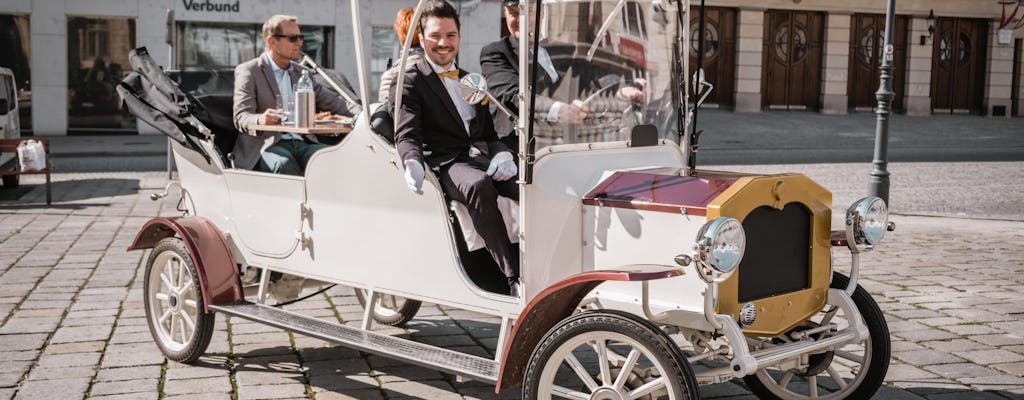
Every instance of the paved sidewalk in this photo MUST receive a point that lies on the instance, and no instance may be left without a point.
(72, 324)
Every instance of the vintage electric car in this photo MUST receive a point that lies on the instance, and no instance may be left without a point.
(643, 275)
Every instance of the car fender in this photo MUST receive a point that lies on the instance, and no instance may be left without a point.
(555, 303)
(214, 261)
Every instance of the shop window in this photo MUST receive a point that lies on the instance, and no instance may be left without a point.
(16, 47)
(97, 60)
(386, 51)
(215, 45)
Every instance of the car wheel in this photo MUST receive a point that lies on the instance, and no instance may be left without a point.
(11, 181)
(855, 371)
(388, 309)
(174, 303)
(608, 355)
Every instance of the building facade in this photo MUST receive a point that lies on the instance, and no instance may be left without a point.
(763, 56)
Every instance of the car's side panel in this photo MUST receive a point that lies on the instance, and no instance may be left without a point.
(266, 211)
(209, 249)
(368, 230)
(553, 220)
(555, 303)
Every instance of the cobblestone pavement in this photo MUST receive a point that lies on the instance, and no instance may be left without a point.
(72, 323)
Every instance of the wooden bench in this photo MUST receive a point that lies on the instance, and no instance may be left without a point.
(11, 146)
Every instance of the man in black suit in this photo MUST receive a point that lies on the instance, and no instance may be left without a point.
(438, 127)
(499, 62)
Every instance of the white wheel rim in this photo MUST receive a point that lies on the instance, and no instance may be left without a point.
(843, 375)
(610, 351)
(173, 308)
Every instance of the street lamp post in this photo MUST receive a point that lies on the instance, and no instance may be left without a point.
(879, 183)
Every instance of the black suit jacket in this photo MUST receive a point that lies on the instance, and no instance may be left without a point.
(430, 128)
(499, 63)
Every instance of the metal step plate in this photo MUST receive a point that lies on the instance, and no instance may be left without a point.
(453, 362)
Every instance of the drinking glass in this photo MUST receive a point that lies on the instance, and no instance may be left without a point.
(283, 110)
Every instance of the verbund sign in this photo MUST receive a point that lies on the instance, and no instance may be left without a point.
(206, 5)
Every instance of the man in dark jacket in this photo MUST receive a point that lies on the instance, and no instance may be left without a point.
(436, 126)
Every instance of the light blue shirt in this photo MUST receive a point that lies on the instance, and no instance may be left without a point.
(284, 86)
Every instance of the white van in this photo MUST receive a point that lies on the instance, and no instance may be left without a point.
(10, 125)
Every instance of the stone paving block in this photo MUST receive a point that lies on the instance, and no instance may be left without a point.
(17, 325)
(129, 373)
(966, 395)
(25, 355)
(955, 345)
(260, 392)
(1015, 368)
(922, 335)
(124, 387)
(20, 342)
(201, 396)
(130, 355)
(256, 350)
(74, 334)
(6, 393)
(994, 356)
(992, 383)
(69, 360)
(129, 396)
(48, 373)
(970, 329)
(407, 373)
(203, 369)
(53, 389)
(197, 386)
(437, 390)
(962, 370)
(41, 304)
(899, 372)
(351, 395)
(13, 371)
(999, 339)
(927, 357)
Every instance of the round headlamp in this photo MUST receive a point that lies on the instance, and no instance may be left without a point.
(870, 219)
(720, 244)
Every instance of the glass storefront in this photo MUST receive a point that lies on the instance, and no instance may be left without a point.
(386, 50)
(97, 60)
(17, 50)
(214, 45)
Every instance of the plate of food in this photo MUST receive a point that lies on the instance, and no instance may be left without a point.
(327, 117)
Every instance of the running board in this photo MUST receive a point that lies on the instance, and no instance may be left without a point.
(433, 357)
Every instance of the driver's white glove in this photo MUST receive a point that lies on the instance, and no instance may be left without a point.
(503, 167)
(414, 176)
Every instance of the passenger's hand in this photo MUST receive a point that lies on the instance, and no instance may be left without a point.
(269, 117)
(503, 167)
(414, 176)
(573, 113)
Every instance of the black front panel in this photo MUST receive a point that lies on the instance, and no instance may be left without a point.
(777, 258)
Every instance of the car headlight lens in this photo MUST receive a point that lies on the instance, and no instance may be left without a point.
(720, 244)
(870, 218)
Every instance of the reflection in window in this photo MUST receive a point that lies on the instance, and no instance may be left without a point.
(16, 47)
(214, 45)
(97, 60)
(386, 50)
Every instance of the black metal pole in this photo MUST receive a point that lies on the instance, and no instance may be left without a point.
(879, 183)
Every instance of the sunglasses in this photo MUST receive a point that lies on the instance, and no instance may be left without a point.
(292, 38)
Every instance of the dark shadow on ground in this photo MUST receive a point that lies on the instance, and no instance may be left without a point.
(34, 195)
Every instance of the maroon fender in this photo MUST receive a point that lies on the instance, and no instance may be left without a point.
(554, 304)
(215, 263)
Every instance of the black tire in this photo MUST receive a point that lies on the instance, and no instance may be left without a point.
(390, 310)
(11, 181)
(866, 378)
(621, 334)
(172, 300)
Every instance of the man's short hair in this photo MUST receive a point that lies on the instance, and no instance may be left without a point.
(439, 9)
(273, 25)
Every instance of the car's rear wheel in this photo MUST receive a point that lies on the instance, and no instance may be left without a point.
(855, 371)
(174, 303)
(389, 309)
(608, 355)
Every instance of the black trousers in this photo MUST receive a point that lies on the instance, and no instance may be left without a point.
(465, 180)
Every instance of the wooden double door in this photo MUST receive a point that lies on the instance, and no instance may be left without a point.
(792, 58)
(867, 47)
(719, 52)
(958, 66)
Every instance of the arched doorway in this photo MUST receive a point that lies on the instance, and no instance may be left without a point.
(958, 66)
(793, 42)
(867, 44)
(719, 52)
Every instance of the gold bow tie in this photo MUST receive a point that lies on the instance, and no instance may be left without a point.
(453, 74)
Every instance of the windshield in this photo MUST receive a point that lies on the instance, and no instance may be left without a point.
(604, 67)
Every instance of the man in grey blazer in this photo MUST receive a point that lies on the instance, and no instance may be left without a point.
(262, 87)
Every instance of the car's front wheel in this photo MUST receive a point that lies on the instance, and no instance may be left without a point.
(854, 371)
(608, 355)
(174, 303)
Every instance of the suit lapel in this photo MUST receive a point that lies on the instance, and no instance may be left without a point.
(435, 84)
(268, 74)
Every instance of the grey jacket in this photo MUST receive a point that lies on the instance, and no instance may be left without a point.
(255, 91)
